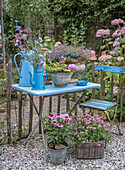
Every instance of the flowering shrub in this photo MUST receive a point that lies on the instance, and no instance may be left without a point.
(57, 131)
(70, 53)
(88, 128)
(114, 43)
(60, 66)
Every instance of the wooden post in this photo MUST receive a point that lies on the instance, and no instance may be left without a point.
(9, 79)
(31, 115)
(67, 103)
(75, 98)
(112, 88)
(20, 116)
(121, 102)
(50, 104)
(58, 106)
(102, 93)
(2, 35)
(40, 131)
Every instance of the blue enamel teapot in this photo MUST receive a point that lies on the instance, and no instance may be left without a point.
(25, 69)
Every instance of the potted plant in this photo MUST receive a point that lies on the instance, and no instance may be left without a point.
(60, 72)
(57, 136)
(90, 132)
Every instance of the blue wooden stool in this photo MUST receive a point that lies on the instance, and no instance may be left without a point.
(101, 105)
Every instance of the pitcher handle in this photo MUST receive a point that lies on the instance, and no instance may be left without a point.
(46, 76)
(16, 63)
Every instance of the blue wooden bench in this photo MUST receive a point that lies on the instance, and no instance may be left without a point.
(102, 105)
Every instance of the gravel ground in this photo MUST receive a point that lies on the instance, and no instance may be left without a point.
(31, 156)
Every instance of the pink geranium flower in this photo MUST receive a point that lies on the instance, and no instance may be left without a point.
(99, 144)
(60, 61)
(83, 141)
(72, 66)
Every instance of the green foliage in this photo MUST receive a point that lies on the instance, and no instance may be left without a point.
(3, 136)
(57, 130)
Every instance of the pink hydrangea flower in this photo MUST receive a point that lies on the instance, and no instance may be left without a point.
(120, 58)
(54, 122)
(105, 57)
(122, 30)
(117, 21)
(112, 52)
(116, 43)
(60, 125)
(117, 33)
(102, 32)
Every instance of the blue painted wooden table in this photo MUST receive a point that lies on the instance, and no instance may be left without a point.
(51, 90)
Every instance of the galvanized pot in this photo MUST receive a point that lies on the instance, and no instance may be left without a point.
(57, 156)
(61, 79)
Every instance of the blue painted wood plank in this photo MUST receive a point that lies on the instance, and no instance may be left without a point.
(51, 90)
(111, 69)
(98, 104)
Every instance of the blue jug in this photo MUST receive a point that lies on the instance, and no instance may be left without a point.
(25, 69)
(37, 80)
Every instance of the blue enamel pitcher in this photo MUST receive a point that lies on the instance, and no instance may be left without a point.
(37, 80)
(25, 69)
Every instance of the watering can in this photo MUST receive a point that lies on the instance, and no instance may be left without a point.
(25, 69)
(37, 79)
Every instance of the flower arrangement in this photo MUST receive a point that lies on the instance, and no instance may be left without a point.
(57, 130)
(88, 128)
(60, 66)
(33, 50)
(114, 44)
(71, 53)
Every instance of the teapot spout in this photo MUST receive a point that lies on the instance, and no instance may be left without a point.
(31, 79)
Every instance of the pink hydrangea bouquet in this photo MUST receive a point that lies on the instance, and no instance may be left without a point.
(113, 43)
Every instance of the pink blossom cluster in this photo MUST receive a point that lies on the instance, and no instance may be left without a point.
(112, 52)
(88, 125)
(57, 43)
(58, 115)
(72, 66)
(117, 33)
(117, 21)
(122, 30)
(116, 43)
(120, 58)
(104, 57)
(102, 32)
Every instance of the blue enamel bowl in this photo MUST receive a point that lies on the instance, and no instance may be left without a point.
(81, 82)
